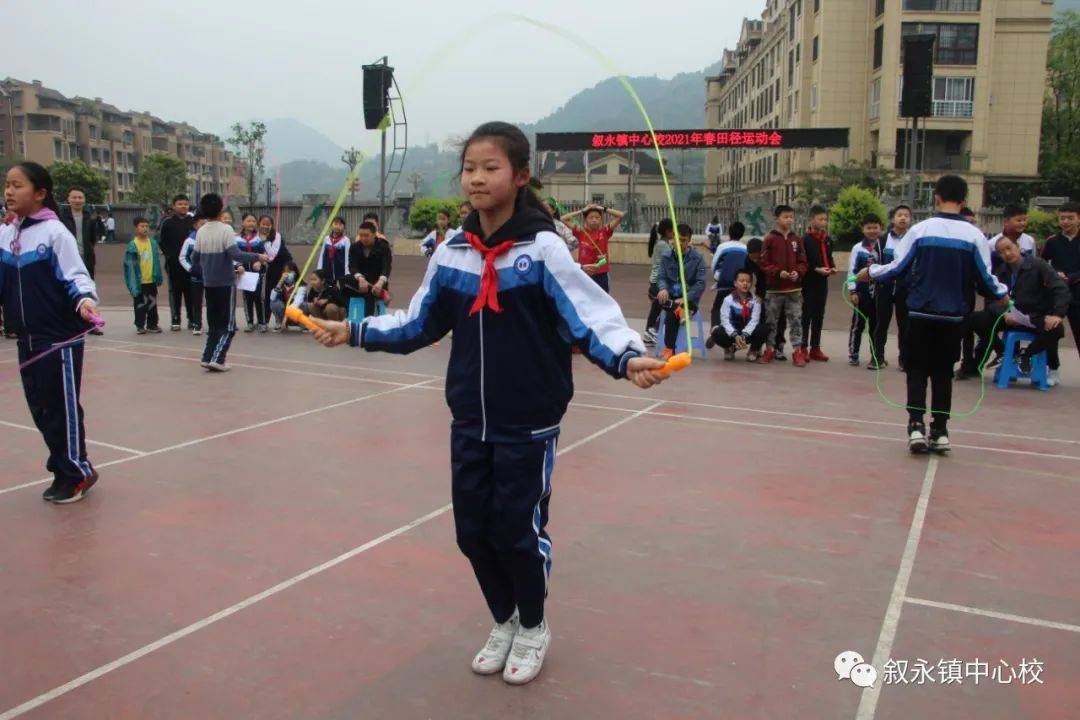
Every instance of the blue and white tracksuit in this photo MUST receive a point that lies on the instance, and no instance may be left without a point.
(508, 385)
(942, 261)
(256, 308)
(195, 289)
(861, 256)
(728, 259)
(43, 283)
(334, 257)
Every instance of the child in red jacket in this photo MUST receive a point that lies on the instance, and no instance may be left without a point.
(783, 259)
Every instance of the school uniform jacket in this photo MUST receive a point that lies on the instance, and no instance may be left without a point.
(187, 257)
(334, 257)
(886, 254)
(728, 259)
(942, 259)
(43, 281)
(255, 244)
(509, 377)
(862, 256)
(734, 321)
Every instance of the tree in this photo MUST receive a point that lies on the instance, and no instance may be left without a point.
(423, 212)
(825, 184)
(248, 142)
(160, 178)
(847, 213)
(77, 174)
(1061, 109)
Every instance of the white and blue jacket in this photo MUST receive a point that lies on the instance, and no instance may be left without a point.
(509, 376)
(731, 316)
(187, 259)
(942, 259)
(728, 259)
(43, 280)
(862, 256)
(337, 263)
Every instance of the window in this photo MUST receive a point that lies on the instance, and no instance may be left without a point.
(798, 53)
(879, 43)
(879, 8)
(95, 132)
(58, 149)
(814, 49)
(954, 96)
(817, 7)
(791, 67)
(598, 198)
(875, 99)
(942, 5)
(791, 23)
(95, 156)
(106, 157)
(957, 43)
(813, 96)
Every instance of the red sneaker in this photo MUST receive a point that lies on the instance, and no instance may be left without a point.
(668, 352)
(800, 358)
(767, 357)
(816, 354)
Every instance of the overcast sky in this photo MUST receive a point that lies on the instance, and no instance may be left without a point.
(212, 63)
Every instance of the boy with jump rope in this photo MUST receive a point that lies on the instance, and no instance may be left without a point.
(515, 300)
(593, 240)
(944, 259)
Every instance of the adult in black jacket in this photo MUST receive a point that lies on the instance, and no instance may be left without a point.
(1037, 291)
(370, 260)
(173, 232)
(80, 222)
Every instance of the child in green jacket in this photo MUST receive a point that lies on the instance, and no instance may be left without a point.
(142, 275)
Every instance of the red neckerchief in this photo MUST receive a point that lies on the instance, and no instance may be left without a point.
(489, 279)
(821, 238)
(1013, 235)
(333, 246)
(746, 304)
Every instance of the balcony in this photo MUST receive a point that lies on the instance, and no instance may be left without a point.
(945, 109)
(943, 150)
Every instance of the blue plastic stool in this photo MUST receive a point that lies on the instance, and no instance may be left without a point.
(698, 343)
(1008, 369)
(357, 305)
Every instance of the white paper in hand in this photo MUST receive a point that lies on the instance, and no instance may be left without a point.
(248, 281)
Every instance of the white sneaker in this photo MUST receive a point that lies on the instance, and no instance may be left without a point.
(492, 657)
(917, 440)
(218, 367)
(527, 655)
(1053, 378)
(649, 336)
(196, 331)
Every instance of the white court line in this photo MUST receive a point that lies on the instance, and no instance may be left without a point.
(269, 592)
(336, 366)
(862, 421)
(256, 426)
(99, 443)
(1038, 622)
(813, 431)
(324, 375)
(869, 700)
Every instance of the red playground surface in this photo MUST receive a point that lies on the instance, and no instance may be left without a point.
(276, 542)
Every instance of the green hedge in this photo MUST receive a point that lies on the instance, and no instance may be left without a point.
(423, 212)
(846, 215)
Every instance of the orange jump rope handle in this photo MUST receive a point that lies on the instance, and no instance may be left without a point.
(297, 316)
(675, 363)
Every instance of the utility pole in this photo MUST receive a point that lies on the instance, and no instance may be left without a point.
(352, 157)
(270, 187)
(415, 179)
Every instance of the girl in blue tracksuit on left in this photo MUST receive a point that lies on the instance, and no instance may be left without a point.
(48, 300)
(516, 301)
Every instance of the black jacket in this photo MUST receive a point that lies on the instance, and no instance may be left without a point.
(172, 234)
(815, 260)
(1064, 255)
(374, 265)
(1036, 289)
(90, 234)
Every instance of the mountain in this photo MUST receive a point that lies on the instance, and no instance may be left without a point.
(311, 162)
(288, 139)
(676, 103)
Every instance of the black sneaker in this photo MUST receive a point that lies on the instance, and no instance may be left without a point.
(876, 365)
(50, 492)
(853, 361)
(710, 342)
(1024, 364)
(916, 438)
(965, 373)
(939, 441)
(74, 493)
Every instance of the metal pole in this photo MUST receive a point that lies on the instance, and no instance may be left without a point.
(382, 183)
(268, 194)
(585, 199)
(912, 139)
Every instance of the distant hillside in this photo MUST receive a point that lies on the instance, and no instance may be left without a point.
(312, 162)
(288, 139)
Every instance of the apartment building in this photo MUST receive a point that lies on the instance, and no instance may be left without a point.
(41, 124)
(838, 63)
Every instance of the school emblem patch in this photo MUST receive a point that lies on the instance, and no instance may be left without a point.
(42, 250)
(523, 264)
